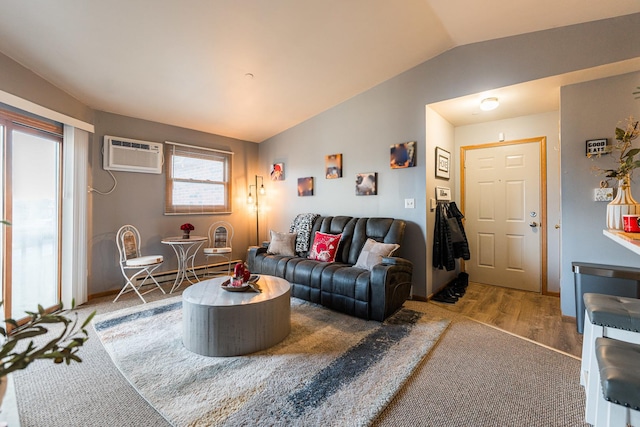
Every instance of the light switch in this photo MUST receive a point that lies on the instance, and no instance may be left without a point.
(409, 203)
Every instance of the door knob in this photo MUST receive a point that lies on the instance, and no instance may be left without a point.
(533, 224)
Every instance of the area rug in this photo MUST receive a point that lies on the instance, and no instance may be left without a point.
(332, 370)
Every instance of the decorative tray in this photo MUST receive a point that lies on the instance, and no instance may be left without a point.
(250, 284)
(242, 288)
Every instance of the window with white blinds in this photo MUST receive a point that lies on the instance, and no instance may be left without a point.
(198, 180)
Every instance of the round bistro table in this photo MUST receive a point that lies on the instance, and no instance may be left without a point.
(186, 251)
(217, 322)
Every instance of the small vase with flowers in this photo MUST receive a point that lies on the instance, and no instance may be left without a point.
(186, 229)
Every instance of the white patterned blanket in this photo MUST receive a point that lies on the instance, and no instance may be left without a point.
(302, 224)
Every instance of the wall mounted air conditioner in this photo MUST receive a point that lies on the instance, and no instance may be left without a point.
(131, 155)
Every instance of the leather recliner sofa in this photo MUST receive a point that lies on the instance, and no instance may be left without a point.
(373, 293)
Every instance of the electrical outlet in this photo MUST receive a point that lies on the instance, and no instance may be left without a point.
(409, 203)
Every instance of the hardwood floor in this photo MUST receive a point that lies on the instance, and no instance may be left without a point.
(526, 314)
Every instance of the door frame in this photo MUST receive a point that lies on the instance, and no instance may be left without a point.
(11, 122)
(542, 143)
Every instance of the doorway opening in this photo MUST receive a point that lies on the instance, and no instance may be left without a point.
(31, 163)
(503, 197)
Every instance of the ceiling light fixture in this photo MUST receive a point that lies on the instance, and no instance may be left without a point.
(489, 104)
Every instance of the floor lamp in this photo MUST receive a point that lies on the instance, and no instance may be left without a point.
(255, 202)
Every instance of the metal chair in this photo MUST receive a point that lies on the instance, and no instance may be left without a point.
(220, 235)
(128, 242)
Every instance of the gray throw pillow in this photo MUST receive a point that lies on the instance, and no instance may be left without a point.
(372, 253)
(282, 243)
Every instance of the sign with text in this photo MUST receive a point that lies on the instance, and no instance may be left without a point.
(598, 146)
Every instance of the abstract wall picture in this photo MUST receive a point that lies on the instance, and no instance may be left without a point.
(277, 172)
(367, 184)
(333, 166)
(443, 162)
(305, 186)
(403, 155)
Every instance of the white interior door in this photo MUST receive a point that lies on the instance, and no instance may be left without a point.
(502, 207)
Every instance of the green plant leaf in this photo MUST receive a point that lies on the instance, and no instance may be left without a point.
(60, 348)
(29, 333)
(88, 320)
(632, 152)
(7, 348)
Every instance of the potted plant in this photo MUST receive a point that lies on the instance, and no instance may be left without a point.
(18, 348)
(623, 203)
(61, 348)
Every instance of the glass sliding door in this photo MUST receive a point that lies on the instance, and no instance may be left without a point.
(32, 199)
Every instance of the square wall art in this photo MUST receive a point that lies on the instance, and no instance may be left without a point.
(305, 186)
(277, 172)
(443, 162)
(367, 184)
(333, 166)
(403, 155)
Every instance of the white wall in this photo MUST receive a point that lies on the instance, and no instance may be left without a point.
(547, 125)
(439, 133)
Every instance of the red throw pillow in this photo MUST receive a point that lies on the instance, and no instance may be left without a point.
(325, 247)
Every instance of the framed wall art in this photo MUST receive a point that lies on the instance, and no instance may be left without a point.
(367, 184)
(443, 194)
(333, 166)
(277, 172)
(403, 155)
(443, 163)
(598, 146)
(305, 186)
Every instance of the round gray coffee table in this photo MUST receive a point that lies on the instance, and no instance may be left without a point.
(216, 322)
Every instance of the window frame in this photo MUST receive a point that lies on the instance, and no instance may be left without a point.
(184, 150)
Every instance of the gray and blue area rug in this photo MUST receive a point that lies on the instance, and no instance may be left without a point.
(332, 370)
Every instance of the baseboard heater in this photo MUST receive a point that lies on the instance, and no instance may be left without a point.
(169, 276)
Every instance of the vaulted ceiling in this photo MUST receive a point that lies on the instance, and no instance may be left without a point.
(251, 69)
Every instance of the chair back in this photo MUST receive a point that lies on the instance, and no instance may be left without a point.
(220, 235)
(128, 241)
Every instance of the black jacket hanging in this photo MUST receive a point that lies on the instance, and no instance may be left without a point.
(449, 241)
(460, 248)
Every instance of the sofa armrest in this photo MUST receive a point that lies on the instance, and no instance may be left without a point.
(393, 260)
(390, 286)
(252, 252)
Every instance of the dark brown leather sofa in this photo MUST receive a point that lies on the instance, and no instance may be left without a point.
(370, 294)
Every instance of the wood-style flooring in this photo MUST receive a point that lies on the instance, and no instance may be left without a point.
(527, 314)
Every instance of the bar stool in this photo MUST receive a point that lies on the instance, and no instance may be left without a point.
(618, 402)
(609, 316)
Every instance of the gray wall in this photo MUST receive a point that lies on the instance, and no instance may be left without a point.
(362, 128)
(589, 111)
(139, 199)
(19, 81)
